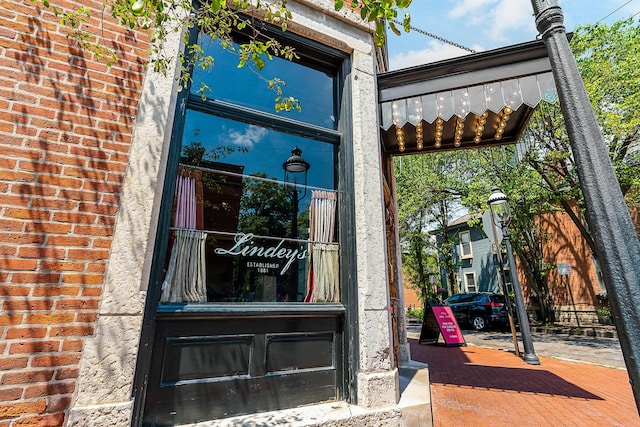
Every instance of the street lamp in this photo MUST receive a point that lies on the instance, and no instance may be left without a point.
(295, 174)
(501, 216)
(615, 237)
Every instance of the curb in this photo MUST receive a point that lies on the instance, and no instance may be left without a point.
(575, 331)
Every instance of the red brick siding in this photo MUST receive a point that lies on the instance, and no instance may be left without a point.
(411, 295)
(566, 245)
(65, 129)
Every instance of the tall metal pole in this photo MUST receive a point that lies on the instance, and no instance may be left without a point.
(617, 244)
(523, 319)
(503, 283)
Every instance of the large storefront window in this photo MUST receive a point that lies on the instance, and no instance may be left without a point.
(255, 206)
(252, 312)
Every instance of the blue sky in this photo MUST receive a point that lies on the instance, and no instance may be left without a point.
(488, 24)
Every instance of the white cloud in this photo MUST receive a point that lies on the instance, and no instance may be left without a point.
(435, 51)
(474, 8)
(493, 21)
(508, 16)
(248, 138)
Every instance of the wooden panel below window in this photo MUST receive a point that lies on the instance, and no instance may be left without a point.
(205, 357)
(210, 365)
(284, 351)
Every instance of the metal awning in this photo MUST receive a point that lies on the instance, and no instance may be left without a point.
(476, 100)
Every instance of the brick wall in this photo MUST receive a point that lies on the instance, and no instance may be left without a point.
(566, 245)
(65, 129)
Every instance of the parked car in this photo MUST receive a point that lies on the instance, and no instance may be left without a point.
(479, 310)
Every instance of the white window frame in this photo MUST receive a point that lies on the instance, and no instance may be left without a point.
(464, 255)
(466, 281)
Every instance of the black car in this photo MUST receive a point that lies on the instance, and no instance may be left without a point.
(479, 310)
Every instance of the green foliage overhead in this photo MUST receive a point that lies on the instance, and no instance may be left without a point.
(609, 61)
(218, 19)
(430, 187)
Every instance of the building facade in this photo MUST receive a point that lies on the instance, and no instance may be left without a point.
(474, 254)
(164, 261)
(169, 258)
(575, 283)
(577, 291)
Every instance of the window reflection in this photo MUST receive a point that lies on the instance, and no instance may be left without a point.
(314, 88)
(239, 232)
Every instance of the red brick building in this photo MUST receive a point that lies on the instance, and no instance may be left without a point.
(577, 284)
(89, 156)
(66, 123)
(574, 281)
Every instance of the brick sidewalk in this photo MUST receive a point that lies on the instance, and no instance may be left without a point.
(473, 386)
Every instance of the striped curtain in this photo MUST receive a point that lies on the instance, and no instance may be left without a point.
(323, 282)
(186, 275)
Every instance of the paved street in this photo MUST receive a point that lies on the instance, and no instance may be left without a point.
(581, 381)
(599, 351)
(588, 349)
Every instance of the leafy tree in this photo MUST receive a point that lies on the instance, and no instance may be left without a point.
(502, 167)
(610, 66)
(466, 179)
(217, 19)
(428, 196)
(608, 60)
(539, 174)
(264, 208)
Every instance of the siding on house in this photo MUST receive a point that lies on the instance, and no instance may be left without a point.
(481, 264)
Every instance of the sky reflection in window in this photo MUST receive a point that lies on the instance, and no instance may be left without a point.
(257, 149)
(247, 87)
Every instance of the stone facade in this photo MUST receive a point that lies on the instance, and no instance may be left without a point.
(85, 152)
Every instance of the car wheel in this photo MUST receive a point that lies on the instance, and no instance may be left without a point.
(479, 323)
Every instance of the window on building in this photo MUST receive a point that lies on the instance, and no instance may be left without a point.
(465, 244)
(254, 215)
(470, 282)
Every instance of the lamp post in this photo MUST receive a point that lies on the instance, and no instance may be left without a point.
(295, 175)
(615, 238)
(502, 280)
(501, 215)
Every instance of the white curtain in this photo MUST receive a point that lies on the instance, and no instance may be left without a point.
(186, 275)
(323, 281)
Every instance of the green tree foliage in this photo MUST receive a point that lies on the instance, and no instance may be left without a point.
(428, 195)
(608, 57)
(218, 19)
(609, 61)
(503, 167)
(264, 208)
